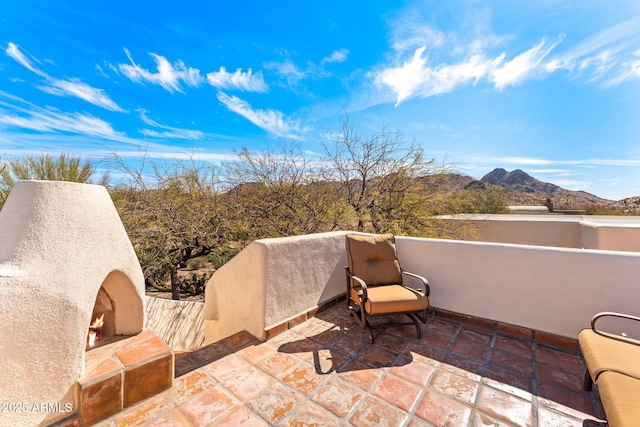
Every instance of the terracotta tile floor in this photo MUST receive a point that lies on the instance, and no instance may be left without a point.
(324, 372)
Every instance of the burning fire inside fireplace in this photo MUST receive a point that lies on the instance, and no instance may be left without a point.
(95, 332)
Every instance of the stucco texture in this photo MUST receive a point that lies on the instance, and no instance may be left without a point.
(60, 242)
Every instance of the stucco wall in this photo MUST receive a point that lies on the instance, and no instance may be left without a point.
(272, 280)
(556, 290)
(526, 230)
(611, 233)
(60, 242)
(614, 233)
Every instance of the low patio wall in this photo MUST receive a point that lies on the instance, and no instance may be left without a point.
(615, 233)
(556, 290)
(272, 280)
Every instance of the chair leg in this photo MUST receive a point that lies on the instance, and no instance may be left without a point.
(588, 382)
(370, 329)
(414, 319)
(362, 321)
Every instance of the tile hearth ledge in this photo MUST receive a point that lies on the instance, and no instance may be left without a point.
(120, 374)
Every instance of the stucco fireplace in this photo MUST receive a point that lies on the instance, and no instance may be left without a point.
(65, 257)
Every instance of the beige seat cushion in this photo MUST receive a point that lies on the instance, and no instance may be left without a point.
(374, 259)
(620, 396)
(392, 299)
(608, 352)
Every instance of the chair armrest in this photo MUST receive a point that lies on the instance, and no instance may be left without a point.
(425, 282)
(361, 282)
(611, 314)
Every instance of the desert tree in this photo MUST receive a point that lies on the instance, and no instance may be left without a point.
(279, 192)
(171, 212)
(488, 199)
(382, 178)
(45, 167)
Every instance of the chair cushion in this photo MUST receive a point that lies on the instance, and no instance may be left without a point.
(608, 352)
(389, 299)
(374, 259)
(620, 396)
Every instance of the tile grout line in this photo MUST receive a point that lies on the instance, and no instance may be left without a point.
(481, 383)
(534, 384)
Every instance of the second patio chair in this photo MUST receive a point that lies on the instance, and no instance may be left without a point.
(375, 284)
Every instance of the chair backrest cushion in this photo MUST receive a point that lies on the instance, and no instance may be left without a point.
(374, 259)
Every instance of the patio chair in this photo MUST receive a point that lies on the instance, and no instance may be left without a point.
(375, 286)
(603, 351)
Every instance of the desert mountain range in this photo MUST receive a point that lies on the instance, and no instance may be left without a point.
(523, 189)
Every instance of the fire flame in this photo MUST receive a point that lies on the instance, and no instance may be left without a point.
(94, 330)
(98, 323)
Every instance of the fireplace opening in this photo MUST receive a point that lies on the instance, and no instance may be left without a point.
(117, 312)
(102, 329)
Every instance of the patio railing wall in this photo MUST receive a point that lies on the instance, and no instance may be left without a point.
(550, 289)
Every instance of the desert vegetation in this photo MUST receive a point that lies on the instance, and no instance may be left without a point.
(180, 212)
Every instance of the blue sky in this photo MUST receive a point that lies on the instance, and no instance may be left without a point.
(548, 86)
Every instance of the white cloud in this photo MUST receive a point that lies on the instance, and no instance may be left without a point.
(574, 185)
(410, 33)
(339, 55)
(415, 78)
(606, 57)
(73, 87)
(559, 172)
(617, 35)
(288, 70)
(271, 121)
(240, 80)
(14, 51)
(168, 75)
(427, 62)
(48, 120)
(635, 68)
(168, 132)
(537, 161)
(521, 67)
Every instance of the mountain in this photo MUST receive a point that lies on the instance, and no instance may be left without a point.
(524, 190)
(519, 181)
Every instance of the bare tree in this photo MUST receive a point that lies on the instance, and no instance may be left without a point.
(381, 177)
(279, 193)
(172, 213)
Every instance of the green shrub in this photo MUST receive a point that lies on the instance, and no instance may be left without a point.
(221, 255)
(194, 285)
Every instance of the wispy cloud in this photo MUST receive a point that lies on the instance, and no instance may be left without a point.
(609, 56)
(51, 120)
(72, 87)
(272, 121)
(168, 132)
(239, 80)
(287, 70)
(538, 161)
(416, 78)
(75, 87)
(623, 34)
(522, 66)
(409, 32)
(14, 52)
(339, 55)
(168, 75)
(51, 130)
(427, 62)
